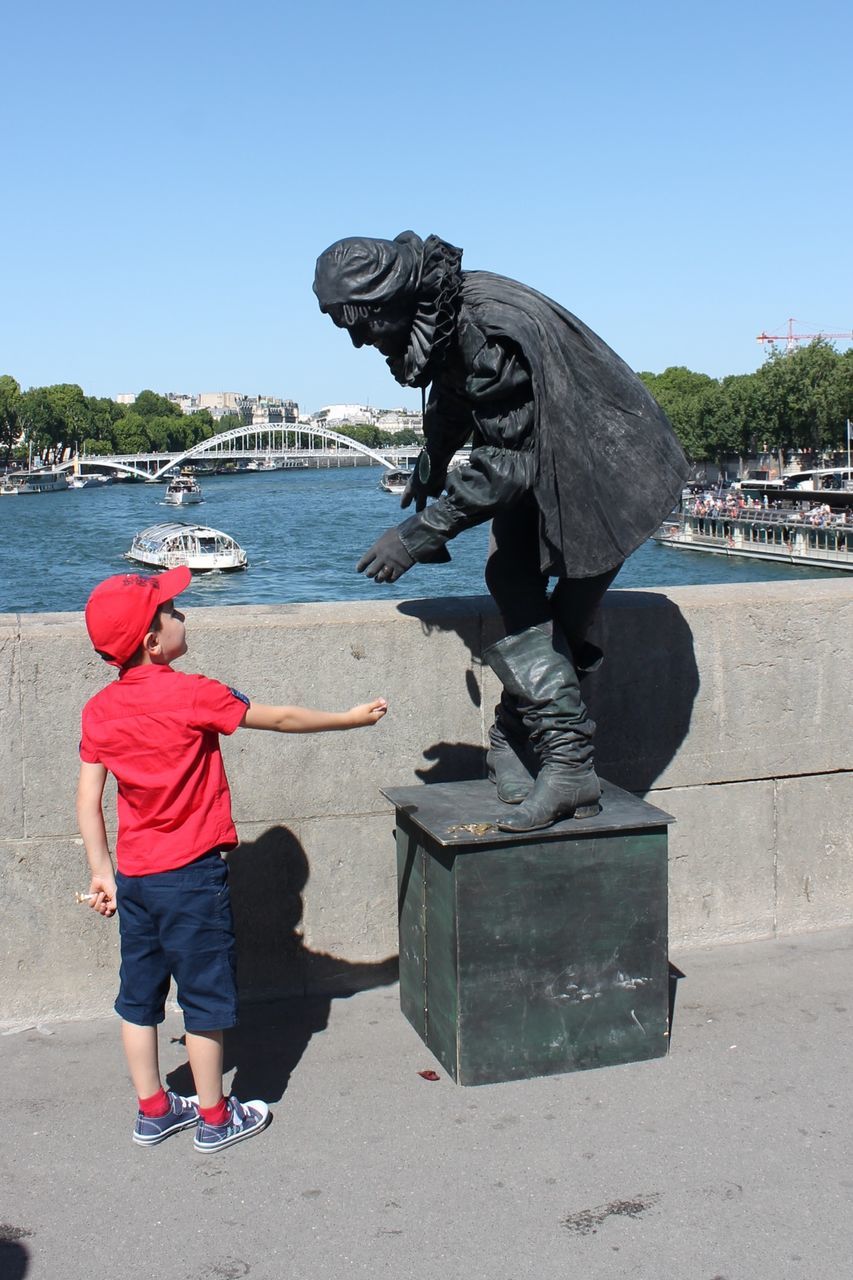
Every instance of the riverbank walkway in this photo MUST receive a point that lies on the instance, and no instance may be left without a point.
(731, 1159)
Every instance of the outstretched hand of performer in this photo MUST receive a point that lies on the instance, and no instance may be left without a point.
(387, 560)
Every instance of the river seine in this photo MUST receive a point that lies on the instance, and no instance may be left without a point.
(303, 532)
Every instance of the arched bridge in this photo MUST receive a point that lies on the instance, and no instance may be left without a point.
(277, 441)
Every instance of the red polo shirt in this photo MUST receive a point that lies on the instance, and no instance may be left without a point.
(157, 731)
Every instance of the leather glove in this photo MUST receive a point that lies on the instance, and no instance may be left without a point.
(426, 481)
(387, 560)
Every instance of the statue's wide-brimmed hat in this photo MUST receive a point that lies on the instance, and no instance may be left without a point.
(360, 271)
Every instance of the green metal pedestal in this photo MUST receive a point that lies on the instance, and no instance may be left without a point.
(528, 955)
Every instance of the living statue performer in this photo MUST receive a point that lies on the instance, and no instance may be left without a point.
(572, 460)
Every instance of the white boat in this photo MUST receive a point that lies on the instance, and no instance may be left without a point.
(90, 481)
(43, 481)
(173, 543)
(829, 484)
(394, 481)
(182, 491)
(819, 538)
(267, 463)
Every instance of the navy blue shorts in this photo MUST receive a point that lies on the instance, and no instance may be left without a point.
(178, 924)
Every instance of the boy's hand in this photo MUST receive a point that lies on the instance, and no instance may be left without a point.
(103, 889)
(367, 712)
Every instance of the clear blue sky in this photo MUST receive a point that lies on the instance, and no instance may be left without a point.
(677, 174)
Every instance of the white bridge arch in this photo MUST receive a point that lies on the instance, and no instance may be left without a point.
(269, 440)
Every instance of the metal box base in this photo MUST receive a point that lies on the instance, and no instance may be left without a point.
(525, 955)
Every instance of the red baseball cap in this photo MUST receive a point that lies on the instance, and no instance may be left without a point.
(120, 610)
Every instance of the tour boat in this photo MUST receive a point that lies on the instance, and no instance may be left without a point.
(819, 538)
(182, 491)
(202, 550)
(822, 484)
(394, 481)
(43, 481)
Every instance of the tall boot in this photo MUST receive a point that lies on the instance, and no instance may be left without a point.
(508, 757)
(536, 669)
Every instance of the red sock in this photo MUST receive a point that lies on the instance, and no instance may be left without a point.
(156, 1105)
(217, 1115)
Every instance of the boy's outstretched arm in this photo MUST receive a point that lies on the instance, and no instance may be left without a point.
(90, 820)
(306, 720)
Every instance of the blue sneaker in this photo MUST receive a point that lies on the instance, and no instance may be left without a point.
(182, 1114)
(245, 1120)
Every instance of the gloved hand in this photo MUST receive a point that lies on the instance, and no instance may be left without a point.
(387, 560)
(426, 481)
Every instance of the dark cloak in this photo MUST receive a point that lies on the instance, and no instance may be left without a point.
(608, 465)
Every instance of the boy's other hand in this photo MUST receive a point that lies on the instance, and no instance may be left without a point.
(104, 890)
(368, 712)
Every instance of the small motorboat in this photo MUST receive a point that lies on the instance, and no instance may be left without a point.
(202, 550)
(182, 491)
(395, 481)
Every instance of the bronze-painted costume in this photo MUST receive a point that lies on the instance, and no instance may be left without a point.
(571, 458)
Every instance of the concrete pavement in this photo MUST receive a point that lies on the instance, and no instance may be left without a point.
(731, 1159)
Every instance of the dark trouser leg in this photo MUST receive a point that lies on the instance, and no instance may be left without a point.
(537, 664)
(520, 591)
(574, 604)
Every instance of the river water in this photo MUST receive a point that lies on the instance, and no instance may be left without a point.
(303, 532)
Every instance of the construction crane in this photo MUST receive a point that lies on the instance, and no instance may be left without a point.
(791, 339)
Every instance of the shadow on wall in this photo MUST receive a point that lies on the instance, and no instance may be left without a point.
(286, 990)
(463, 615)
(641, 698)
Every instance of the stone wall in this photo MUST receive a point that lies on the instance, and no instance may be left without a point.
(727, 706)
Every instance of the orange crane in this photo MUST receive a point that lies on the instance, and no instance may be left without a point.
(791, 339)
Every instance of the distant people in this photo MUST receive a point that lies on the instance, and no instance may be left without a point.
(156, 730)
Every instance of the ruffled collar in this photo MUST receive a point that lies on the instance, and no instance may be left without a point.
(435, 317)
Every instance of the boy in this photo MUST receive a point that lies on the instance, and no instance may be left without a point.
(157, 731)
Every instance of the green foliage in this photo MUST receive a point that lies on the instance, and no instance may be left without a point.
(798, 393)
(797, 400)
(149, 405)
(365, 433)
(737, 416)
(131, 434)
(375, 438)
(10, 425)
(44, 427)
(690, 401)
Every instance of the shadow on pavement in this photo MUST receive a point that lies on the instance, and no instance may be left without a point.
(286, 989)
(14, 1257)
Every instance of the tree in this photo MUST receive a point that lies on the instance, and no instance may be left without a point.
(10, 425)
(690, 401)
(201, 426)
(365, 433)
(840, 397)
(103, 416)
(798, 392)
(738, 416)
(131, 434)
(43, 426)
(149, 405)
